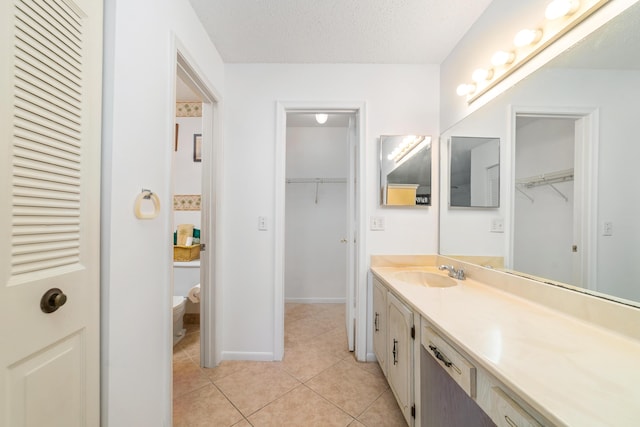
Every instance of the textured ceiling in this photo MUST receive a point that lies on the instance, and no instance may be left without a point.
(337, 31)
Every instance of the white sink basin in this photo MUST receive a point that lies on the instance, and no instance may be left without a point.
(425, 278)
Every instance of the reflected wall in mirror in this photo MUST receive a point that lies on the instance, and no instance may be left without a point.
(474, 165)
(573, 121)
(405, 170)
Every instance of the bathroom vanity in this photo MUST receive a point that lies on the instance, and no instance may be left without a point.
(488, 351)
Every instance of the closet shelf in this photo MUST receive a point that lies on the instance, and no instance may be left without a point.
(545, 179)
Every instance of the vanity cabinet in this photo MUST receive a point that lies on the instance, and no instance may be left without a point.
(401, 334)
(380, 324)
(459, 393)
(394, 346)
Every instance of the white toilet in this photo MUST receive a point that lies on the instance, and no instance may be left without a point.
(179, 305)
(185, 276)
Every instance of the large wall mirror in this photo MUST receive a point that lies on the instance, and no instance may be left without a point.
(405, 170)
(569, 209)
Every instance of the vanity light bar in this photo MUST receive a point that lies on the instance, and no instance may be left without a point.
(408, 143)
(528, 43)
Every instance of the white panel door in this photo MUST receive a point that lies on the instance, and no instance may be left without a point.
(50, 86)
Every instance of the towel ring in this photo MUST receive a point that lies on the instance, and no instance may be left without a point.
(147, 195)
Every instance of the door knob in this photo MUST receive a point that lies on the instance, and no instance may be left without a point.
(343, 240)
(52, 300)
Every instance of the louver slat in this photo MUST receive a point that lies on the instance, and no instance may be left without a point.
(47, 136)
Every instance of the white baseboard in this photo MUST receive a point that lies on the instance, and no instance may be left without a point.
(247, 355)
(371, 357)
(316, 300)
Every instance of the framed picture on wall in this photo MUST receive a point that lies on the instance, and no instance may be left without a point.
(197, 147)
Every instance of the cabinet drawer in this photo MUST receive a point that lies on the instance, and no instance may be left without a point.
(508, 413)
(463, 372)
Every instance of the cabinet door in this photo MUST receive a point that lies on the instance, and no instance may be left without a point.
(380, 324)
(400, 354)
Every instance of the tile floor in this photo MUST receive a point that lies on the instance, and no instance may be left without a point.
(319, 383)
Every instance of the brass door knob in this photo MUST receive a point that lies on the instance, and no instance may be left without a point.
(52, 300)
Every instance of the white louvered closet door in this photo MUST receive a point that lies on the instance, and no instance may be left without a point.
(50, 109)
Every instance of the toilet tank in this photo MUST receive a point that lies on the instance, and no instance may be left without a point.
(185, 276)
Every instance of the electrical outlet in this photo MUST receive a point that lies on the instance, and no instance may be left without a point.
(262, 223)
(377, 223)
(607, 228)
(497, 225)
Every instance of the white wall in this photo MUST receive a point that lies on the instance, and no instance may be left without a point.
(138, 125)
(401, 99)
(187, 174)
(315, 259)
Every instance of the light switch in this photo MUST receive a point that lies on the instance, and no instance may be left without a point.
(497, 225)
(377, 223)
(607, 228)
(262, 223)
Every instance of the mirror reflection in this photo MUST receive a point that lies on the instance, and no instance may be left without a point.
(569, 153)
(474, 165)
(405, 170)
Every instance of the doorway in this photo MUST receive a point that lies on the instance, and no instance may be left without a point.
(553, 171)
(352, 182)
(203, 148)
(316, 200)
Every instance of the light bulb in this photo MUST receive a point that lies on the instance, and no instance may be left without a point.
(502, 58)
(527, 37)
(480, 75)
(559, 8)
(465, 89)
(321, 118)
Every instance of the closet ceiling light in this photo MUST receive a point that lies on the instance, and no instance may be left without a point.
(321, 118)
(502, 58)
(527, 37)
(560, 8)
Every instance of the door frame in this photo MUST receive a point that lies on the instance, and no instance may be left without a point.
(359, 288)
(585, 159)
(211, 293)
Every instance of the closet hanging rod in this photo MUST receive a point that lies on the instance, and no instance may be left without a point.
(316, 180)
(546, 179)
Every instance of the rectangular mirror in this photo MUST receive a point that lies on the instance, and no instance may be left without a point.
(405, 170)
(568, 210)
(474, 167)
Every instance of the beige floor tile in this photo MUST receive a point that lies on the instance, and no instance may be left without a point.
(300, 407)
(384, 412)
(256, 385)
(187, 377)
(305, 363)
(228, 367)
(356, 423)
(371, 367)
(332, 343)
(304, 330)
(189, 344)
(295, 311)
(204, 407)
(349, 387)
(243, 423)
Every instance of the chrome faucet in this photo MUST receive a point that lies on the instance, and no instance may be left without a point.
(453, 272)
